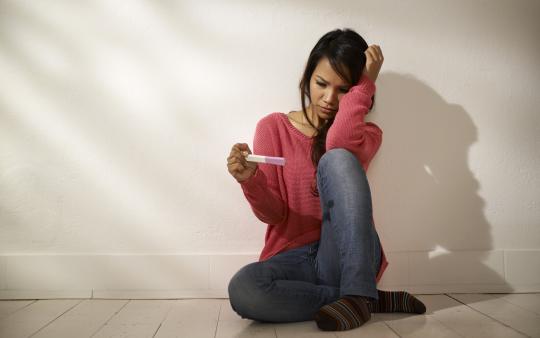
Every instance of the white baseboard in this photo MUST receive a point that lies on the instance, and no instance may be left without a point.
(163, 276)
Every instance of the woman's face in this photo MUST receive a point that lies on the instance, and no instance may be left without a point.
(326, 89)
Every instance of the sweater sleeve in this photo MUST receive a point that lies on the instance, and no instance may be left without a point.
(349, 130)
(262, 189)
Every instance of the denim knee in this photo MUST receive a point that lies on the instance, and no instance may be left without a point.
(244, 294)
(338, 161)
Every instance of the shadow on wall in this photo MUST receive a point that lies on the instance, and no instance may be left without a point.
(429, 197)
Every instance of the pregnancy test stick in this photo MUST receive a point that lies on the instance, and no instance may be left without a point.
(266, 159)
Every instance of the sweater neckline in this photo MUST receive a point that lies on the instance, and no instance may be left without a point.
(293, 128)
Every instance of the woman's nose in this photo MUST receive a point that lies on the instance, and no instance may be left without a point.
(329, 97)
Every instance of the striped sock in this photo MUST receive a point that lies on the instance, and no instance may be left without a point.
(346, 313)
(396, 301)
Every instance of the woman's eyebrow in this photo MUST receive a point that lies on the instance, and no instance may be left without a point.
(343, 86)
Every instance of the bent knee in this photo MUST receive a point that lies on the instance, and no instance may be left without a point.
(244, 294)
(339, 160)
(238, 283)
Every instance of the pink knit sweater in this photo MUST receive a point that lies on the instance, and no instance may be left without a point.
(281, 196)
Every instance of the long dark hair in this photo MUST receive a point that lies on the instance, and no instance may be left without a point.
(344, 49)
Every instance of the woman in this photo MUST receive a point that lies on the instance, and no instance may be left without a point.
(322, 256)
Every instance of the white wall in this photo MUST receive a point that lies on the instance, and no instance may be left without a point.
(116, 120)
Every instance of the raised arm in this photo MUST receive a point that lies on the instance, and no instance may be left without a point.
(349, 130)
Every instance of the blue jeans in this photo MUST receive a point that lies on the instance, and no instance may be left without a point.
(293, 285)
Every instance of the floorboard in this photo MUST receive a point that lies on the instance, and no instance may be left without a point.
(448, 315)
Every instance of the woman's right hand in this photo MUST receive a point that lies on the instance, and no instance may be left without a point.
(238, 167)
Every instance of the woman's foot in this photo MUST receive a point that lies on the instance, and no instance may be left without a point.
(346, 313)
(396, 301)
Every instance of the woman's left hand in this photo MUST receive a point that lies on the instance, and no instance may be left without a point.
(374, 61)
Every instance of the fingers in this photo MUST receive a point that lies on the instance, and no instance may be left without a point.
(236, 162)
(236, 168)
(237, 158)
(374, 61)
(369, 55)
(375, 52)
(242, 147)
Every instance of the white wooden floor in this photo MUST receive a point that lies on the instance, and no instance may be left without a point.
(449, 315)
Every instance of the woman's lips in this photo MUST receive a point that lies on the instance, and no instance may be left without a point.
(327, 110)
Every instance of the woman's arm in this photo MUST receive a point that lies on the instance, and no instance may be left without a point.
(262, 190)
(349, 130)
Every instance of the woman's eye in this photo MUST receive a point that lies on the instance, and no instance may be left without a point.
(321, 84)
